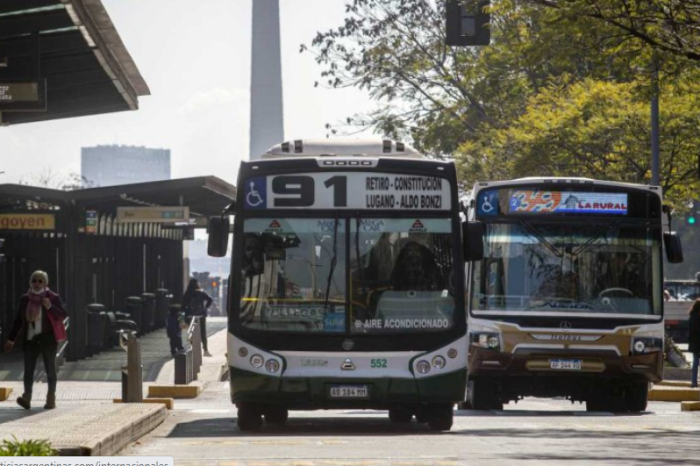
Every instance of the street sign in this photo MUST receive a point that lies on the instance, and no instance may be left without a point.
(25, 96)
(27, 222)
(153, 214)
(91, 222)
(196, 222)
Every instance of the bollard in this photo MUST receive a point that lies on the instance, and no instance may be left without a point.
(194, 336)
(132, 373)
(183, 367)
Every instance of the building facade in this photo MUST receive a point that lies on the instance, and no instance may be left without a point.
(116, 165)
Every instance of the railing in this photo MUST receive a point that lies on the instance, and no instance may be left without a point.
(63, 345)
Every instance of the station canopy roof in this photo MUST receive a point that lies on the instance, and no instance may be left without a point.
(205, 196)
(72, 46)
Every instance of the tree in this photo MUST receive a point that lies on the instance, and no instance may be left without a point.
(595, 129)
(671, 26)
(48, 178)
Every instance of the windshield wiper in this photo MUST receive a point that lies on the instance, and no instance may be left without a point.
(334, 261)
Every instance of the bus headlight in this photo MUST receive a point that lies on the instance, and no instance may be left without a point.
(439, 362)
(646, 345)
(423, 367)
(243, 351)
(452, 353)
(257, 361)
(272, 366)
(490, 341)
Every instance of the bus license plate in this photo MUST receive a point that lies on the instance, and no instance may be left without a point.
(565, 364)
(349, 391)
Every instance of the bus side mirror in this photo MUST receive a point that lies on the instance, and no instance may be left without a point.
(218, 236)
(473, 241)
(674, 249)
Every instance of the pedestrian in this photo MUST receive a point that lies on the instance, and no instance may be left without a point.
(39, 324)
(694, 339)
(196, 303)
(174, 326)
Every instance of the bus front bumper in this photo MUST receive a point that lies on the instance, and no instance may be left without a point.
(315, 392)
(487, 363)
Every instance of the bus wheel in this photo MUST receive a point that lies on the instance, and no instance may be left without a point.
(249, 418)
(440, 417)
(400, 416)
(422, 415)
(636, 397)
(482, 395)
(277, 415)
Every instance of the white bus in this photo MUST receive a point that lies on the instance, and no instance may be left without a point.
(347, 286)
(567, 299)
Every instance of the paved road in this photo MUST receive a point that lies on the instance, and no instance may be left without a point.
(203, 431)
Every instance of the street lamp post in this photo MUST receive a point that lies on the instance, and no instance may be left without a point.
(655, 120)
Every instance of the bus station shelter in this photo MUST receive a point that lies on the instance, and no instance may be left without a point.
(90, 254)
(62, 59)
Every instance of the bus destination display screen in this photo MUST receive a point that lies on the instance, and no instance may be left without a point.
(348, 190)
(543, 202)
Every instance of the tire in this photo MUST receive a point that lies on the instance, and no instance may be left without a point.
(249, 418)
(636, 397)
(276, 415)
(482, 395)
(440, 417)
(606, 401)
(464, 405)
(400, 416)
(422, 415)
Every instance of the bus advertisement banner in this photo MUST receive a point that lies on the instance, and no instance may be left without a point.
(348, 190)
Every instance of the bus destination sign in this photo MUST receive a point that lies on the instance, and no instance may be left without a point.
(558, 202)
(348, 190)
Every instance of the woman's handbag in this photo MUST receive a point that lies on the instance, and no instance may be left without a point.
(59, 328)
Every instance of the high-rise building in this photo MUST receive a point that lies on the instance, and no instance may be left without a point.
(115, 165)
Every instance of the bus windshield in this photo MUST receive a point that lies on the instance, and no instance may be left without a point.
(401, 275)
(293, 275)
(595, 268)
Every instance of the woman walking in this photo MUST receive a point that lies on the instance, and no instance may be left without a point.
(694, 339)
(39, 324)
(196, 303)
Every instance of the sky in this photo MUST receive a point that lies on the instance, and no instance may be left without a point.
(195, 57)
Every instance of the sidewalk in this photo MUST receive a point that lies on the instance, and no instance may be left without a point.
(86, 420)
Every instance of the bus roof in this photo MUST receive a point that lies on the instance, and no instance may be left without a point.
(342, 147)
(565, 180)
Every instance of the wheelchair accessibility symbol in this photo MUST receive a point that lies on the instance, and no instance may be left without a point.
(255, 193)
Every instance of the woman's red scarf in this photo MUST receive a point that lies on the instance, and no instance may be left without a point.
(34, 305)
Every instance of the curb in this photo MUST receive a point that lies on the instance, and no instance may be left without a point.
(89, 430)
(690, 406)
(5, 393)
(169, 403)
(673, 383)
(175, 391)
(674, 394)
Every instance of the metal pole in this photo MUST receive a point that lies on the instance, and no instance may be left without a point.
(655, 181)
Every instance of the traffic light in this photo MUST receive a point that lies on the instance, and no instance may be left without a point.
(468, 22)
(2, 256)
(692, 220)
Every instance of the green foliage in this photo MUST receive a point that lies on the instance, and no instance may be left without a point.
(670, 26)
(16, 447)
